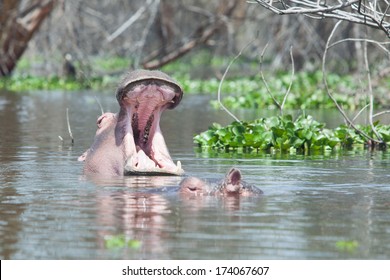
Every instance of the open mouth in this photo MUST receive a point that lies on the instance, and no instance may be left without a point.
(142, 103)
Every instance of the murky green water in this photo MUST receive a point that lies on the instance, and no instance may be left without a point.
(315, 207)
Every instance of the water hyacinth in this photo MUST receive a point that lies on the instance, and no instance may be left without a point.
(284, 134)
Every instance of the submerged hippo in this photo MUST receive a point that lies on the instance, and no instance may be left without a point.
(131, 141)
(231, 185)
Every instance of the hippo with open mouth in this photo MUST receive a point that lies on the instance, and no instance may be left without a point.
(131, 142)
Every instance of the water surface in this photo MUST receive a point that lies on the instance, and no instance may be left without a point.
(314, 206)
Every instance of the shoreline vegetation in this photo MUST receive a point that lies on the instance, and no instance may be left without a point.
(307, 91)
(278, 133)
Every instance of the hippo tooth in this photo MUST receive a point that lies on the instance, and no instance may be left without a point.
(178, 164)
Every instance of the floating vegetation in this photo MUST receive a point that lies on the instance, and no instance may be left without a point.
(120, 242)
(282, 133)
(349, 246)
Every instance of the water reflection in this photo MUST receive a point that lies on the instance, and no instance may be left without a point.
(49, 210)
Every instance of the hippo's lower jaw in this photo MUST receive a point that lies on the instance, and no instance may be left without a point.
(139, 128)
(141, 164)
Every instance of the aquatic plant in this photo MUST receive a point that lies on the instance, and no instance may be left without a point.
(349, 246)
(120, 241)
(28, 83)
(307, 91)
(282, 133)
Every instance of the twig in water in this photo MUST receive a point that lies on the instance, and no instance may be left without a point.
(69, 130)
(100, 104)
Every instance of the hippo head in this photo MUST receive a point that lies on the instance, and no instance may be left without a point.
(142, 96)
(131, 141)
(194, 186)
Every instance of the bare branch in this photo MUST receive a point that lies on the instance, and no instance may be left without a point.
(366, 12)
(381, 113)
(152, 18)
(370, 94)
(128, 22)
(280, 106)
(291, 80)
(265, 81)
(331, 95)
(223, 78)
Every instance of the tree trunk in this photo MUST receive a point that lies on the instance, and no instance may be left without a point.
(17, 29)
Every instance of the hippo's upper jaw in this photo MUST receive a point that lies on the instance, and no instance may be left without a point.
(142, 100)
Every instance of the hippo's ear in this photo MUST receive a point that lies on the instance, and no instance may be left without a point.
(234, 176)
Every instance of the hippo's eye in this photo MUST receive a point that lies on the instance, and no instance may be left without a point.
(192, 188)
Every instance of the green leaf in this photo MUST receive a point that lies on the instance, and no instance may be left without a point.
(120, 242)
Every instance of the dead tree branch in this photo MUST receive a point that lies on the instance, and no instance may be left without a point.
(201, 36)
(134, 17)
(372, 13)
(205, 34)
(328, 91)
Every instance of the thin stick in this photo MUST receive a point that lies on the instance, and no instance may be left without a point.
(152, 18)
(265, 81)
(381, 113)
(280, 106)
(223, 78)
(370, 94)
(328, 90)
(291, 81)
(100, 105)
(69, 130)
(128, 23)
(359, 113)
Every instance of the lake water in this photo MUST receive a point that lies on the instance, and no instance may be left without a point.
(332, 206)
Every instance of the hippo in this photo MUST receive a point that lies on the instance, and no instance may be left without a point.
(130, 142)
(231, 185)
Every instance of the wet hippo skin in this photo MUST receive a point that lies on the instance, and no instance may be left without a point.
(231, 185)
(131, 141)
